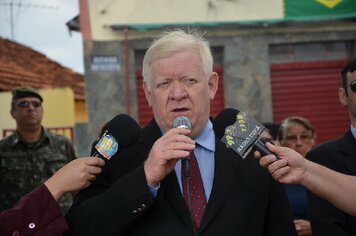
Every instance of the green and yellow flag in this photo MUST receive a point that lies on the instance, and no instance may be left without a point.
(319, 9)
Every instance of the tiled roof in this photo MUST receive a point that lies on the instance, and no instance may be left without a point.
(22, 66)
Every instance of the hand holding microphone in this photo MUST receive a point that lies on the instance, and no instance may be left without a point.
(74, 176)
(240, 132)
(184, 123)
(121, 132)
(166, 151)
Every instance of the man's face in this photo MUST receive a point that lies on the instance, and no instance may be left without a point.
(350, 99)
(178, 87)
(27, 111)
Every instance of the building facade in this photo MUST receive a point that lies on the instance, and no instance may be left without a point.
(275, 58)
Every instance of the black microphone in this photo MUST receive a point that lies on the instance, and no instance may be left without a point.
(184, 123)
(240, 132)
(121, 131)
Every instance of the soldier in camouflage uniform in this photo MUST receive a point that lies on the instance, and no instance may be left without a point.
(31, 155)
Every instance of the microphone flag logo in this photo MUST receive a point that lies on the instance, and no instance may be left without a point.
(107, 146)
(243, 134)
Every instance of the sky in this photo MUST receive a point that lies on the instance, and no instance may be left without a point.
(41, 25)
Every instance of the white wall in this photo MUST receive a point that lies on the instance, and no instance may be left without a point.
(105, 13)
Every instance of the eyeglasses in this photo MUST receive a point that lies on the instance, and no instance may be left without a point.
(353, 86)
(302, 137)
(26, 104)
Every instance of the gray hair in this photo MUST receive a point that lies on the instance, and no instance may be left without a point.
(171, 42)
(282, 131)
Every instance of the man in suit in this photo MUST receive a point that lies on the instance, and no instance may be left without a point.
(339, 155)
(145, 191)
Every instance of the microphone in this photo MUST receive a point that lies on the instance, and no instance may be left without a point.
(183, 122)
(240, 132)
(121, 131)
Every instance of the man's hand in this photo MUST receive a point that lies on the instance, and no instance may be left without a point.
(166, 151)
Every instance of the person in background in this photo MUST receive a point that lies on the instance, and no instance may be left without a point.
(299, 134)
(31, 154)
(148, 190)
(38, 213)
(339, 155)
(292, 168)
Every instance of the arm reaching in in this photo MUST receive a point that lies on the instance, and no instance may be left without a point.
(337, 188)
(76, 175)
(41, 206)
(290, 169)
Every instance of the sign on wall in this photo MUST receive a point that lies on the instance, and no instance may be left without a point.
(105, 63)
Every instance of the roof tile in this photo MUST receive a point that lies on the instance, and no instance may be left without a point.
(21, 65)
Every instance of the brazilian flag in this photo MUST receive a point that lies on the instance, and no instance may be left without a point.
(319, 9)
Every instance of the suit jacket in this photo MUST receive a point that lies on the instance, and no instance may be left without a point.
(244, 199)
(37, 214)
(339, 155)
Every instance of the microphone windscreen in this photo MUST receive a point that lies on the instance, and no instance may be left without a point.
(121, 131)
(223, 119)
(182, 122)
(124, 129)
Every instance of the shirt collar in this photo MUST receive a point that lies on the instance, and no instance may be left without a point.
(206, 138)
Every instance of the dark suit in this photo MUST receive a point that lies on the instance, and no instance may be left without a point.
(244, 199)
(339, 155)
(37, 214)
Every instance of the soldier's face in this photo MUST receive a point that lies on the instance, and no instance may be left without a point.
(27, 111)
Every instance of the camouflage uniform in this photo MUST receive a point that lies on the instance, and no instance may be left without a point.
(25, 166)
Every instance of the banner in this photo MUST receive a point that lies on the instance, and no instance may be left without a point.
(317, 9)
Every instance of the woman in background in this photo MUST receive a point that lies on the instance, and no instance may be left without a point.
(299, 134)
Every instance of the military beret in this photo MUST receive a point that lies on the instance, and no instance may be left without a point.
(24, 92)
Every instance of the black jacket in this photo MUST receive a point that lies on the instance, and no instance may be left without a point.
(339, 155)
(244, 199)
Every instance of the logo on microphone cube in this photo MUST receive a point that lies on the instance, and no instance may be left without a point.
(242, 135)
(107, 146)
